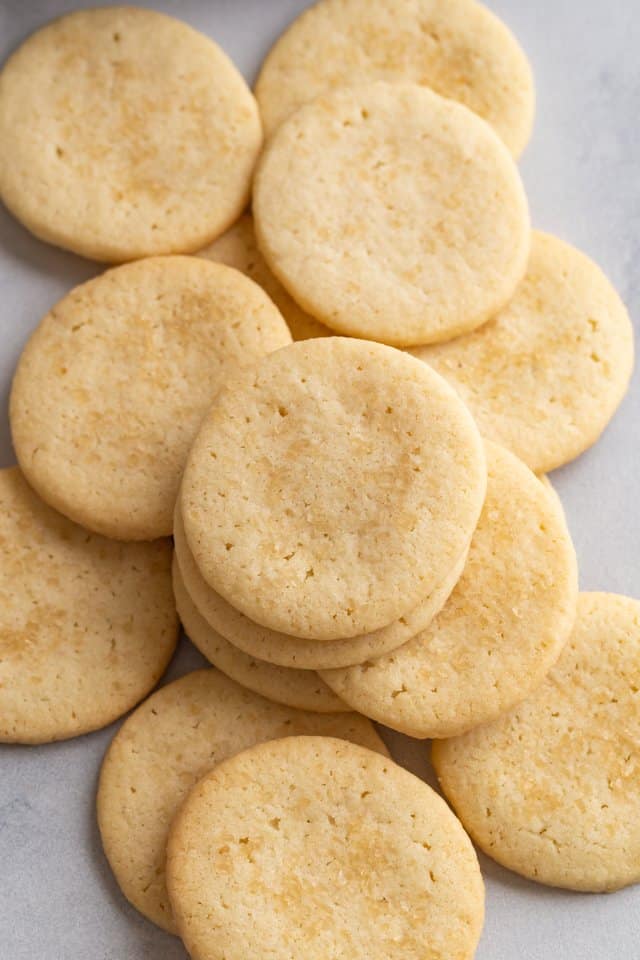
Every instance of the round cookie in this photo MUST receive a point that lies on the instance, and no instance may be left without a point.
(302, 689)
(283, 650)
(499, 633)
(392, 214)
(332, 487)
(314, 847)
(113, 384)
(163, 749)
(87, 625)
(125, 133)
(458, 48)
(238, 248)
(546, 375)
(552, 789)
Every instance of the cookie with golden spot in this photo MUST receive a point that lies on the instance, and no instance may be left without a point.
(238, 248)
(87, 625)
(112, 385)
(546, 375)
(314, 847)
(458, 48)
(294, 653)
(552, 788)
(392, 214)
(170, 742)
(501, 630)
(332, 487)
(302, 689)
(125, 133)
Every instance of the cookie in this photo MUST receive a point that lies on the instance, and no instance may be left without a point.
(457, 48)
(281, 649)
(546, 375)
(111, 388)
(501, 629)
(87, 625)
(310, 846)
(552, 789)
(125, 133)
(302, 689)
(392, 214)
(238, 248)
(332, 487)
(163, 749)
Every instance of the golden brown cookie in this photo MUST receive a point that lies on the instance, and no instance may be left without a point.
(546, 375)
(392, 214)
(172, 740)
(552, 789)
(112, 386)
(332, 487)
(87, 625)
(125, 133)
(312, 847)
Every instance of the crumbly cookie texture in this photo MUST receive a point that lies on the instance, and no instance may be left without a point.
(302, 689)
(314, 847)
(113, 384)
(332, 487)
(501, 630)
(125, 133)
(238, 248)
(546, 375)
(458, 48)
(392, 214)
(551, 790)
(165, 747)
(87, 625)
(283, 650)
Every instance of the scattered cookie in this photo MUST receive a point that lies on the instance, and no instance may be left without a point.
(499, 633)
(314, 847)
(112, 386)
(458, 48)
(87, 625)
(238, 248)
(546, 375)
(332, 488)
(125, 133)
(172, 740)
(392, 214)
(552, 789)
(269, 646)
(302, 689)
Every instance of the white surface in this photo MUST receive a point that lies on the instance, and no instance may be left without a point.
(582, 171)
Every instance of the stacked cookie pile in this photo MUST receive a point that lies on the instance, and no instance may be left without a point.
(341, 410)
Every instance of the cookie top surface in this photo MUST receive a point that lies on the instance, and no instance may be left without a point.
(457, 48)
(302, 689)
(396, 871)
(545, 376)
(165, 747)
(551, 790)
(111, 388)
(332, 487)
(392, 214)
(125, 133)
(238, 248)
(501, 629)
(87, 625)
(282, 649)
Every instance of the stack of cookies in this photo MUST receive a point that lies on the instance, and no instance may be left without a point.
(341, 406)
